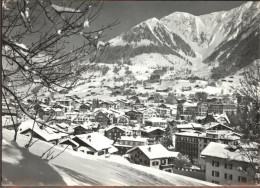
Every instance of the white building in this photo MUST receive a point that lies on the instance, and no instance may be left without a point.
(228, 164)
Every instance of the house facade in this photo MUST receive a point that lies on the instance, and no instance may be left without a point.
(226, 166)
(154, 156)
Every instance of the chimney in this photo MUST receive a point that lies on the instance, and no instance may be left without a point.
(149, 148)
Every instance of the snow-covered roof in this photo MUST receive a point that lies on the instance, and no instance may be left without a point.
(63, 125)
(149, 129)
(191, 133)
(221, 118)
(96, 140)
(219, 150)
(70, 140)
(46, 133)
(155, 151)
(189, 126)
(214, 124)
(156, 120)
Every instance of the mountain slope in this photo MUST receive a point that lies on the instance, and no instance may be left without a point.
(208, 46)
(204, 33)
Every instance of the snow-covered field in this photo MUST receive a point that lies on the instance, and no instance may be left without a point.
(81, 169)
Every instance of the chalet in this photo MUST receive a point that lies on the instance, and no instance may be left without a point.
(163, 112)
(84, 108)
(94, 144)
(155, 156)
(82, 129)
(115, 132)
(47, 134)
(154, 134)
(102, 119)
(135, 115)
(149, 113)
(127, 142)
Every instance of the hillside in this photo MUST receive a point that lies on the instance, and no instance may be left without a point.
(81, 169)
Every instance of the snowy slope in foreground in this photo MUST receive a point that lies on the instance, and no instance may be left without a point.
(91, 170)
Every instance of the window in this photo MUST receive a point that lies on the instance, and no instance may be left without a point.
(215, 173)
(230, 176)
(215, 163)
(155, 163)
(228, 166)
(163, 161)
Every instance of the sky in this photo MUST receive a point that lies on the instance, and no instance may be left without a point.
(131, 13)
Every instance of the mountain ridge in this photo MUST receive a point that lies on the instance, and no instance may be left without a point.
(199, 41)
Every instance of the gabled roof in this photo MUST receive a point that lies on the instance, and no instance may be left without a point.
(46, 133)
(69, 140)
(151, 129)
(155, 151)
(96, 141)
(214, 124)
(123, 128)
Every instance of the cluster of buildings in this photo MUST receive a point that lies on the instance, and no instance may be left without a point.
(136, 126)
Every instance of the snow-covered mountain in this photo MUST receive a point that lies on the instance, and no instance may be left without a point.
(211, 45)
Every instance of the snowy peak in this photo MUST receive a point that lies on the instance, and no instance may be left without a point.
(152, 22)
(205, 44)
(204, 33)
(153, 32)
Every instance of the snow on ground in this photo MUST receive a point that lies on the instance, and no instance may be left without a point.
(80, 168)
(20, 167)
